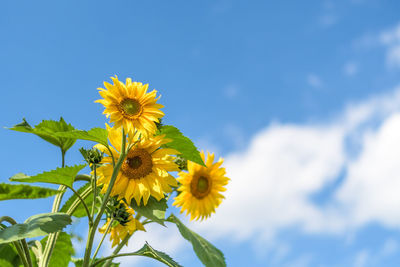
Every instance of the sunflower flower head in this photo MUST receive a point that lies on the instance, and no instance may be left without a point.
(201, 187)
(123, 223)
(144, 172)
(131, 106)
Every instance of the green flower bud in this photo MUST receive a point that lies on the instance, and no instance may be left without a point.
(92, 156)
(181, 162)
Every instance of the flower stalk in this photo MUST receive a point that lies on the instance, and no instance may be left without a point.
(93, 228)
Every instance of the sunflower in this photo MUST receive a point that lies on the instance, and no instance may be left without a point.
(201, 187)
(143, 173)
(120, 228)
(129, 105)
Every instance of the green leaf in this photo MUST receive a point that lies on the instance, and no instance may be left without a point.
(9, 255)
(205, 251)
(20, 191)
(37, 225)
(150, 252)
(80, 210)
(63, 176)
(47, 130)
(98, 135)
(154, 210)
(181, 143)
(79, 263)
(4, 263)
(63, 250)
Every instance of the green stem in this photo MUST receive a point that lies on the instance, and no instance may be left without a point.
(102, 239)
(118, 249)
(21, 253)
(111, 155)
(62, 158)
(94, 187)
(76, 203)
(83, 177)
(21, 245)
(115, 256)
(92, 230)
(51, 241)
(83, 203)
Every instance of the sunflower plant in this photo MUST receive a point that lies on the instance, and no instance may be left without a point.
(134, 168)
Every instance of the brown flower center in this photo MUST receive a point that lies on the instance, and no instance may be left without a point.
(200, 186)
(138, 164)
(130, 107)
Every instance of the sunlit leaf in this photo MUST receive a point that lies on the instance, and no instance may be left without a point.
(64, 176)
(154, 210)
(21, 191)
(47, 130)
(181, 143)
(150, 252)
(209, 255)
(98, 135)
(37, 225)
(9, 256)
(62, 252)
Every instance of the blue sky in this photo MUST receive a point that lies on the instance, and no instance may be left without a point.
(301, 99)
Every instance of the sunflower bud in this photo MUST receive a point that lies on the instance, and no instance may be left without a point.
(158, 124)
(118, 210)
(92, 156)
(181, 162)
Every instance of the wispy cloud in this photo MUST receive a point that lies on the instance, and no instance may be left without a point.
(391, 39)
(350, 68)
(314, 80)
(231, 91)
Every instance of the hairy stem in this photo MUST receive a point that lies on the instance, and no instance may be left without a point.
(92, 230)
(76, 203)
(84, 205)
(51, 241)
(118, 249)
(94, 187)
(102, 239)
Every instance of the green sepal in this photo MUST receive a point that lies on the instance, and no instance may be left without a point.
(209, 255)
(22, 191)
(47, 130)
(36, 225)
(62, 252)
(154, 210)
(64, 176)
(181, 143)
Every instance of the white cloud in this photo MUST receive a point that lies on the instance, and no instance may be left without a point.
(328, 20)
(390, 247)
(231, 91)
(361, 258)
(235, 135)
(391, 39)
(314, 80)
(274, 178)
(350, 68)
